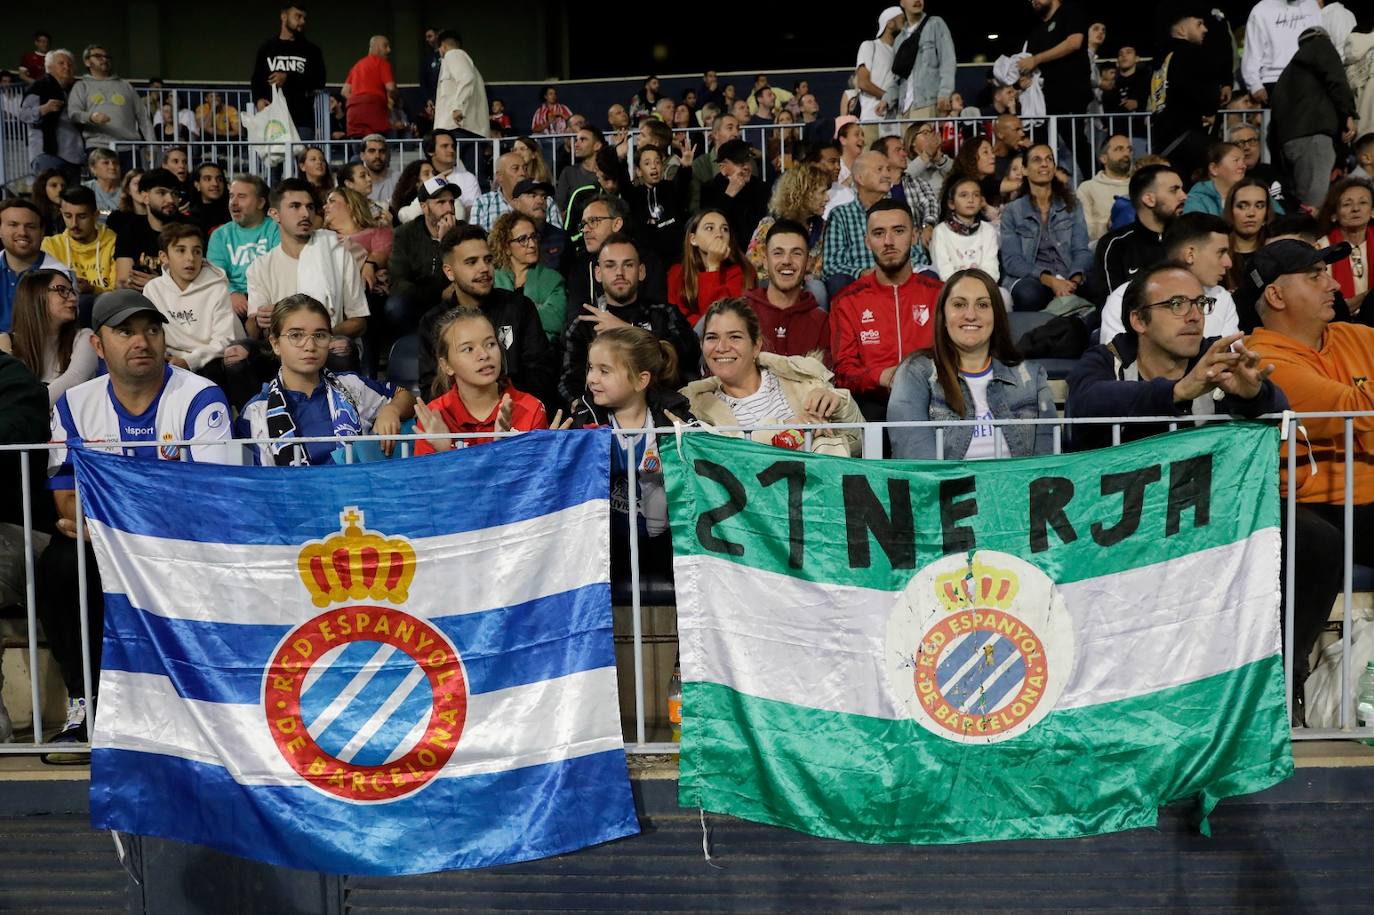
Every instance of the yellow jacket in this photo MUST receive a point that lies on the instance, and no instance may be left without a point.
(92, 261)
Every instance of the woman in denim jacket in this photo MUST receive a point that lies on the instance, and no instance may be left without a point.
(974, 372)
(1044, 238)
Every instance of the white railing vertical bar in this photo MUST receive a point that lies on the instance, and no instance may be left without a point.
(1290, 550)
(82, 577)
(1347, 572)
(30, 596)
(632, 499)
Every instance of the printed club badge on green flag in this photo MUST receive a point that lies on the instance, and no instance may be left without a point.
(931, 652)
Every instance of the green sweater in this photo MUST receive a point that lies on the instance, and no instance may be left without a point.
(544, 287)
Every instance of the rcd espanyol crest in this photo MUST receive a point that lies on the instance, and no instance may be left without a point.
(366, 702)
(979, 647)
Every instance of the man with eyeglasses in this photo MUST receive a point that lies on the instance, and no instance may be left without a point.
(105, 106)
(1163, 365)
(533, 199)
(143, 400)
(511, 171)
(604, 216)
(1247, 137)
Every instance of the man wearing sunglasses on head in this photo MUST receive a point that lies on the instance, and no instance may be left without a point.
(1162, 365)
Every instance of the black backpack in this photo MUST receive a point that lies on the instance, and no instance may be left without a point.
(1061, 337)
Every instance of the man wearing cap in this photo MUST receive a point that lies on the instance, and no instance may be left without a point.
(143, 400)
(736, 191)
(511, 170)
(417, 263)
(534, 199)
(1324, 366)
(1162, 365)
(136, 247)
(873, 71)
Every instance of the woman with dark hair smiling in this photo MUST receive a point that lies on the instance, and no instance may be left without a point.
(973, 373)
(45, 336)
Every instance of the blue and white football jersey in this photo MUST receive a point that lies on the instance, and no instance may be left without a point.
(187, 407)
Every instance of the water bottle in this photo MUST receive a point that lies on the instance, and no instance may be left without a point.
(1364, 700)
(675, 704)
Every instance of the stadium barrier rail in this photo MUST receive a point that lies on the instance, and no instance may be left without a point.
(638, 741)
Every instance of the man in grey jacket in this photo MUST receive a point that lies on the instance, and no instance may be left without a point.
(105, 106)
(924, 90)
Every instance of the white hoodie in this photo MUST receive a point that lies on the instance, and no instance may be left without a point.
(1271, 38)
(200, 320)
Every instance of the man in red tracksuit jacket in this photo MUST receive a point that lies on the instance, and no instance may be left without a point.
(792, 322)
(883, 317)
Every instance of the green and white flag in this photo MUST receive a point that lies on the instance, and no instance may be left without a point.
(930, 652)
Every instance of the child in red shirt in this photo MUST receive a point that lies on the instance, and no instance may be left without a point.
(473, 393)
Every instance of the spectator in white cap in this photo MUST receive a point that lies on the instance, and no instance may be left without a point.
(873, 71)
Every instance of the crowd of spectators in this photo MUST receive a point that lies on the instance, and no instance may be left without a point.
(880, 271)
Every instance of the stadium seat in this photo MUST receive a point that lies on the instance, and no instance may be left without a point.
(654, 591)
(403, 365)
(1362, 578)
(1022, 323)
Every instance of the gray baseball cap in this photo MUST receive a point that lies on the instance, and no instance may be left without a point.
(115, 307)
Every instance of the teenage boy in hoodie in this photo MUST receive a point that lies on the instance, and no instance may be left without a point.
(105, 106)
(86, 246)
(793, 323)
(193, 295)
(885, 315)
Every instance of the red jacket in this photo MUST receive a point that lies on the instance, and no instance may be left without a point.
(874, 326)
(526, 413)
(802, 330)
(727, 283)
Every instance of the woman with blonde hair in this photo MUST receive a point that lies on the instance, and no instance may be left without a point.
(349, 214)
(538, 169)
(514, 246)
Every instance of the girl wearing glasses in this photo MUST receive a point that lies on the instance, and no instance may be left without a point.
(306, 399)
(45, 336)
(1345, 216)
(514, 244)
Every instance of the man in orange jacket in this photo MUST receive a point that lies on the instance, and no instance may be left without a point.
(1324, 366)
(884, 316)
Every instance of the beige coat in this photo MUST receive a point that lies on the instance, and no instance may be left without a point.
(1096, 196)
(797, 376)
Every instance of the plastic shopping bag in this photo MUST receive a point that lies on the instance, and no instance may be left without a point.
(1324, 683)
(271, 130)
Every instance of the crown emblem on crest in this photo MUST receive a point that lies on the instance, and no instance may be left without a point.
(976, 585)
(357, 563)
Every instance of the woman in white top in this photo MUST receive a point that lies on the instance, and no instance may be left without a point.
(45, 336)
(748, 387)
(973, 373)
(964, 239)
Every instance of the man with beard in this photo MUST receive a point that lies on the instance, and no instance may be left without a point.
(377, 162)
(292, 64)
(136, 248)
(885, 315)
(209, 208)
(246, 237)
(1157, 195)
(1097, 194)
(529, 362)
(620, 273)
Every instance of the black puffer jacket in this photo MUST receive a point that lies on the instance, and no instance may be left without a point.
(1313, 97)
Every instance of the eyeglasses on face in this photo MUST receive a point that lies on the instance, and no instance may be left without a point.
(298, 337)
(59, 289)
(1181, 305)
(529, 238)
(591, 222)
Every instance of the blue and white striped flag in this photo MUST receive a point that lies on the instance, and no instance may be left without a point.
(386, 668)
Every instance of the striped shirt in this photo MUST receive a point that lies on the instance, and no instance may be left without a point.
(846, 254)
(492, 205)
(765, 407)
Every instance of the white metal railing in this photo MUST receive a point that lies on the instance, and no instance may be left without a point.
(872, 439)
